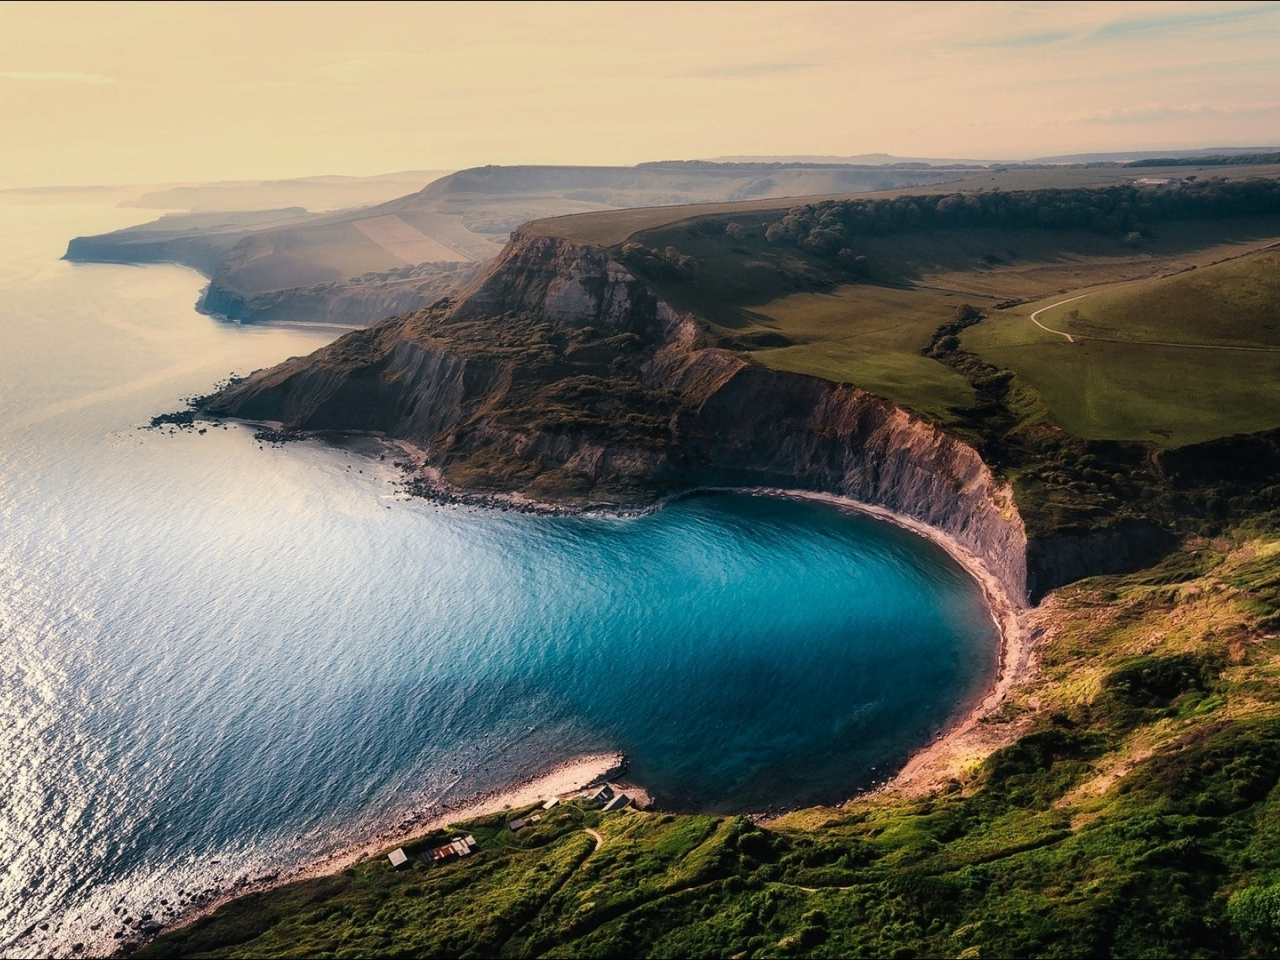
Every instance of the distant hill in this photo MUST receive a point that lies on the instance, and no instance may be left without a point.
(464, 217)
(1127, 155)
(861, 159)
(314, 193)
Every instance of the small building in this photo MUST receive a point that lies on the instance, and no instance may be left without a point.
(398, 858)
(514, 825)
(617, 803)
(550, 803)
(603, 795)
(457, 847)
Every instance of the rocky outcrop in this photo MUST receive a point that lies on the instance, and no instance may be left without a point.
(351, 302)
(200, 253)
(561, 374)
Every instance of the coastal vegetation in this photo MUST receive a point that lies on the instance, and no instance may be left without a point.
(853, 290)
(928, 301)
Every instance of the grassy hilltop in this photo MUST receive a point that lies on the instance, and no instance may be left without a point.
(860, 304)
(1125, 800)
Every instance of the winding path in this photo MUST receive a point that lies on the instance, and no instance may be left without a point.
(1035, 318)
(599, 838)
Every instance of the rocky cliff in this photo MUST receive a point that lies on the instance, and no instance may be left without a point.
(354, 302)
(561, 375)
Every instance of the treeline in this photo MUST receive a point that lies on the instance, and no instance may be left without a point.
(829, 227)
(1221, 160)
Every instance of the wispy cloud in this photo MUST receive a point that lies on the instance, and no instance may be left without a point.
(1154, 112)
(1188, 22)
(738, 71)
(1017, 41)
(55, 76)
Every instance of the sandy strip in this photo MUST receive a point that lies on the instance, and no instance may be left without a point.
(562, 781)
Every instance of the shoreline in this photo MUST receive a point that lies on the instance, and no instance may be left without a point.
(561, 779)
(927, 768)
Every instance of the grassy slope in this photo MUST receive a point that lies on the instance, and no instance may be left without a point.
(1137, 390)
(1138, 814)
(1230, 303)
(870, 336)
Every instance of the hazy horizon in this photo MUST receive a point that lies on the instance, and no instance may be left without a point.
(162, 93)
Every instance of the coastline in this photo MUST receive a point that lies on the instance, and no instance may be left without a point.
(969, 738)
(934, 764)
(561, 780)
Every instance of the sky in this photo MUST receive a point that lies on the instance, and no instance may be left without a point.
(116, 93)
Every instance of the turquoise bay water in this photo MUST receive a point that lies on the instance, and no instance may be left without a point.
(221, 659)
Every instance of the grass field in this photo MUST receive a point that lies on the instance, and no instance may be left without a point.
(1236, 303)
(870, 336)
(1127, 387)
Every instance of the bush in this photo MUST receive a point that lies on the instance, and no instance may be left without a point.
(1254, 913)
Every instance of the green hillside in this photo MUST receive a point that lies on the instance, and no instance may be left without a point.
(856, 291)
(1229, 304)
(1169, 361)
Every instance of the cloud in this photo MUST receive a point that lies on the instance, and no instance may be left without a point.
(1016, 41)
(1154, 112)
(738, 71)
(1186, 22)
(56, 76)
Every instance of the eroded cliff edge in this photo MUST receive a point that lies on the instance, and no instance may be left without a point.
(561, 375)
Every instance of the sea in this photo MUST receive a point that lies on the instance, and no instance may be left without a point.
(222, 658)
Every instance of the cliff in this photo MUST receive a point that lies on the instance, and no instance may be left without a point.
(352, 302)
(561, 375)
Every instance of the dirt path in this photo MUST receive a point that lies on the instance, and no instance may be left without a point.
(596, 834)
(1035, 317)
(1146, 343)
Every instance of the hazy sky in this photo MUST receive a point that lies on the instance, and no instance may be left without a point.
(115, 93)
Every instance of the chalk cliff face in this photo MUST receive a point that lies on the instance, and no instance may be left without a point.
(560, 374)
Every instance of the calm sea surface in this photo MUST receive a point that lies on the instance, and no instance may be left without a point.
(218, 659)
